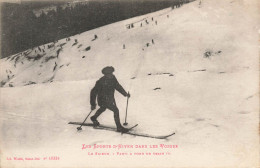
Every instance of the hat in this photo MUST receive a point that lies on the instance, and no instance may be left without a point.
(108, 70)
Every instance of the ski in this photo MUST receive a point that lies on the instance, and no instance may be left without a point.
(103, 127)
(151, 136)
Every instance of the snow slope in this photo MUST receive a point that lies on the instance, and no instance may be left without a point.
(199, 78)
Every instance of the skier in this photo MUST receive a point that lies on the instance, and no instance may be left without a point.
(104, 92)
(95, 37)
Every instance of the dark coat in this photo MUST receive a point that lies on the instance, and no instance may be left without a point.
(104, 91)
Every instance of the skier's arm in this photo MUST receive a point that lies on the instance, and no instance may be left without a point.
(93, 95)
(120, 89)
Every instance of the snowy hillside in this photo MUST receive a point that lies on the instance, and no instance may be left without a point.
(192, 70)
(84, 55)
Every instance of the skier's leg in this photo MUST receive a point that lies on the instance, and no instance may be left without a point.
(116, 115)
(98, 112)
(95, 116)
(120, 128)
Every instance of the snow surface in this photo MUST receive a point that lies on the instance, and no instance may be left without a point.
(210, 102)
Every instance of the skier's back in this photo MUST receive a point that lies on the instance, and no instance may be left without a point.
(104, 92)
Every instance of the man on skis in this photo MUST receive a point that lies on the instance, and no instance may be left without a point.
(104, 92)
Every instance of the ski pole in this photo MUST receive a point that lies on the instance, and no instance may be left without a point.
(126, 111)
(79, 128)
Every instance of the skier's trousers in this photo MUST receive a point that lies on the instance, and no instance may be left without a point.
(113, 108)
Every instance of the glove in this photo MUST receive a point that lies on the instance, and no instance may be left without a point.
(93, 107)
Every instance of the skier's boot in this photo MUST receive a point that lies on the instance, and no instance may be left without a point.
(122, 129)
(95, 121)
